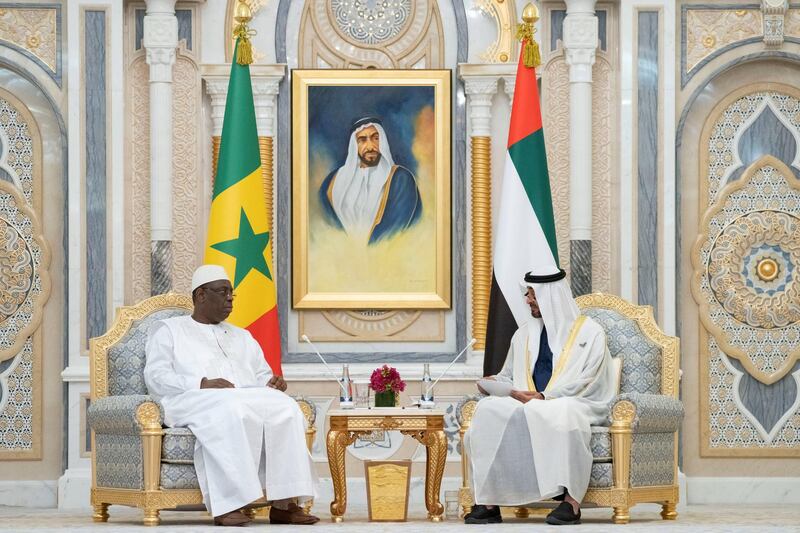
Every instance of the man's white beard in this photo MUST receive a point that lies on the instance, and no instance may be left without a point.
(358, 206)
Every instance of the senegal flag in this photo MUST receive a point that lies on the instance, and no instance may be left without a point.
(526, 230)
(238, 230)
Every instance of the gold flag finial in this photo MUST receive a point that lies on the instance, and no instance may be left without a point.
(243, 14)
(525, 31)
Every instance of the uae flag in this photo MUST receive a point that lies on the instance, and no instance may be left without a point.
(238, 230)
(526, 231)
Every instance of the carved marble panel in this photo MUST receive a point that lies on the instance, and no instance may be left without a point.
(24, 281)
(138, 193)
(747, 275)
(792, 23)
(188, 218)
(555, 98)
(360, 34)
(710, 30)
(35, 31)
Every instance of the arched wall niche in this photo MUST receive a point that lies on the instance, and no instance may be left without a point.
(35, 188)
(717, 385)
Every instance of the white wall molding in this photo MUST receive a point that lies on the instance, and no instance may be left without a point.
(29, 493)
(73, 489)
(470, 371)
(745, 490)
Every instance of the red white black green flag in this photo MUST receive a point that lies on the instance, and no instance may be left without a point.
(526, 230)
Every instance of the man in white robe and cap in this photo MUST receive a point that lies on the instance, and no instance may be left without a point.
(533, 444)
(211, 377)
(370, 197)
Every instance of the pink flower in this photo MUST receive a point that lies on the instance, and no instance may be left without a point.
(386, 379)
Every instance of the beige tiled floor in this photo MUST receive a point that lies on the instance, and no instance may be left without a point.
(644, 518)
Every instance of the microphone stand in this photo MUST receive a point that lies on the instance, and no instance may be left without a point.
(428, 404)
(347, 402)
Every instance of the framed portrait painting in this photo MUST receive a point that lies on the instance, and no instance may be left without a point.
(371, 189)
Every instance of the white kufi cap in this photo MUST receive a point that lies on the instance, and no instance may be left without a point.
(208, 273)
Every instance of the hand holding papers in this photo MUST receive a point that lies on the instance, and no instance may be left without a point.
(495, 388)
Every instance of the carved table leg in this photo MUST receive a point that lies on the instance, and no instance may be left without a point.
(100, 512)
(436, 447)
(337, 444)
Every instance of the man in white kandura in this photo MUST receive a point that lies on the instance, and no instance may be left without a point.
(534, 444)
(211, 377)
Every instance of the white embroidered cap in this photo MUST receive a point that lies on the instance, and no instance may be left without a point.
(206, 274)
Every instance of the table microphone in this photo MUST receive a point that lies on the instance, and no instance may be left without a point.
(347, 403)
(428, 404)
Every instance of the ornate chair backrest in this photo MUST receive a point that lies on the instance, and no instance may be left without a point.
(649, 356)
(117, 358)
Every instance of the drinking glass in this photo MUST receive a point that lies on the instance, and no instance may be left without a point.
(361, 394)
(452, 509)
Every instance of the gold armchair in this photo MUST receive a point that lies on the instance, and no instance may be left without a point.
(636, 456)
(135, 461)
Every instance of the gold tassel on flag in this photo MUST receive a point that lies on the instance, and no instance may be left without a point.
(525, 31)
(243, 15)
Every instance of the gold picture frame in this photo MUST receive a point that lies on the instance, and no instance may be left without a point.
(387, 246)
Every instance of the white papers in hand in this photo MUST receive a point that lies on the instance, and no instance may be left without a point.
(495, 388)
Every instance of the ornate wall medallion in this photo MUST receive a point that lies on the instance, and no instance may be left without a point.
(24, 279)
(375, 22)
(746, 280)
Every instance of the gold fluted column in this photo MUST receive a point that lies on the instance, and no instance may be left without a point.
(481, 189)
(480, 86)
(265, 149)
(215, 142)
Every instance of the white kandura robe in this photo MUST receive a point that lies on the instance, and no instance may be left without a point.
(248, 439)
(522, 453)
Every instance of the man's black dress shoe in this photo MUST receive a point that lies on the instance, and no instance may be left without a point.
(563, 515)
(480, 514)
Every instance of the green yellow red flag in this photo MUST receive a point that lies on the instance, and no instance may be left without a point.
(239, 235)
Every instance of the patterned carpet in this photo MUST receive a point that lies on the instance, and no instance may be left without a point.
(644, 518)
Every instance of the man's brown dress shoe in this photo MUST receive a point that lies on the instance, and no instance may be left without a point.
(293, 515)
(234, 518)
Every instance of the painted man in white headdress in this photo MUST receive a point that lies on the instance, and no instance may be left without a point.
(370, 197)
(211, 377)
(534, 444)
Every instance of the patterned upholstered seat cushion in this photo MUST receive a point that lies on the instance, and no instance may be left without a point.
(602, 476)
(178, 476)
(600, 444)
(641, 357)
(177, 447)
(127, 357)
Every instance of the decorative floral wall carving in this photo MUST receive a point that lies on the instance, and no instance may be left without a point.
(34, 30)
(746, 279)
(139, 192)
(187, 186)
(709, 30)
(188, 221)
(24, 281)
(555, 94)
(359, 34)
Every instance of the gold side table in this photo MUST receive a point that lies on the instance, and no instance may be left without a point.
(425, 426)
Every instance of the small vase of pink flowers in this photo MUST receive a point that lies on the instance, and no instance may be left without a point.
(386, 383)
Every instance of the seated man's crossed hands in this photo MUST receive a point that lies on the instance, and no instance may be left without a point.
(275, 382)
(519, 395)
